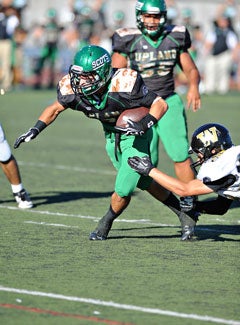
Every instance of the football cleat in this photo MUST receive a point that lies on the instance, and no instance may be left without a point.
(23, 199)
(95, 235)
(187, 233)
(188, 224)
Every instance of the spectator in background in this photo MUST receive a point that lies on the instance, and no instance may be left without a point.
(8, 23)
(70, 42)
(49, 51)
(219, 45)
(19, 37)
(19, 5)
(32, 49)
(195, 51)
(172, 12)
(236, 67)
(230, 9)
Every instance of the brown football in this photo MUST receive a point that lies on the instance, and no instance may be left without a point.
(134, 114)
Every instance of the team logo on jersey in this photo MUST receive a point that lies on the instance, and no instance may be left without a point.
(145, 90)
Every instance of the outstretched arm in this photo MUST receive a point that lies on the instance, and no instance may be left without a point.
(194, 187)
(49, 114)
(145, 167)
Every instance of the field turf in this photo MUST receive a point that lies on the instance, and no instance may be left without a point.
(50, 273)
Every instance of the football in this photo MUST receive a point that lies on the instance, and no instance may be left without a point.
(134, 114)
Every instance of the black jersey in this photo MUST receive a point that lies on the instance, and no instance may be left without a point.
(154, 60)
(126, 90)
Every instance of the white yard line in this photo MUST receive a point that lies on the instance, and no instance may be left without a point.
(113, 304)
(71, 168)
(96, 219)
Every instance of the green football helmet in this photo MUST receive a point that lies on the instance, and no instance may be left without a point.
(154, 7)
(91, 70)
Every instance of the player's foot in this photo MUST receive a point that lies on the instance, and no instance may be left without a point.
(96, 236)
(23, 199)
(187, 233)
(188, 223)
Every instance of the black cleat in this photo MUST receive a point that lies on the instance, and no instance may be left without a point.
(96, 236)
(187, 233)
(188, 224)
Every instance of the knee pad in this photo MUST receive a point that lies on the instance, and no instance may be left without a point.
(5, 151)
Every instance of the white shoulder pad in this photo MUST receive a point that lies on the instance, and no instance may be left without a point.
(65, 86)
(123, 80)
(181, 29)
(128, 31)
(220, 166)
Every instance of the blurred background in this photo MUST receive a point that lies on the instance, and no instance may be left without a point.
(38, 39)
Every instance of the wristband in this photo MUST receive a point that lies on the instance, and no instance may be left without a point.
(40, 125)
(148, 121)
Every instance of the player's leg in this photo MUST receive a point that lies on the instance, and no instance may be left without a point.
(172, 129)
(11, 170)
(126, 180)
(187, 219)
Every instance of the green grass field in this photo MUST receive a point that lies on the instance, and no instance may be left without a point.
(50, 273)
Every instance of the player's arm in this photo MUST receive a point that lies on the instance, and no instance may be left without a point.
(119, 61)
(145, 167)
(194, 187)
(156, 111)
(192, 74)
(49, 114)
(158, 108)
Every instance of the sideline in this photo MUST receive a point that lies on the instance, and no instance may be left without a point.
(122, 306)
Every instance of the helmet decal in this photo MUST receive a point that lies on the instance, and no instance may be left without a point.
(100, 61)
(208, 136)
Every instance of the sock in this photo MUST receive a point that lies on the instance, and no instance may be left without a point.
(105, 224)
(173, 203)
(185, 217)
(16, 188)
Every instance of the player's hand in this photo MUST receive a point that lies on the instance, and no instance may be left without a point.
(26, 137)
(141, 165)
(133, 128)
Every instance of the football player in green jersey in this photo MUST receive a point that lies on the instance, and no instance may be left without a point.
(100, 92)
(153, 49)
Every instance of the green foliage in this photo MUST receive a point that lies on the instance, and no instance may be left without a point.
(144, 263)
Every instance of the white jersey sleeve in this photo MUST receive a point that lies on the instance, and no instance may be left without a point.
(222, 165)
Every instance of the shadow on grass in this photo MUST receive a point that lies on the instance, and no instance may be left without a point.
(217, 232)
(61, 197)
(203, 232)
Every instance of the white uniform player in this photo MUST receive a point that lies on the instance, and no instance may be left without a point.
(10, 168)
(220, 166)
(219, 171)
